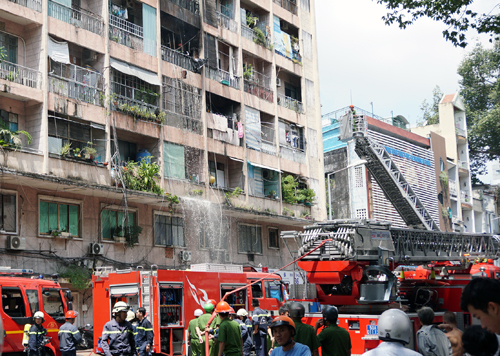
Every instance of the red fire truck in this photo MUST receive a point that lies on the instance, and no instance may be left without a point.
(171, 297)
(21, 297)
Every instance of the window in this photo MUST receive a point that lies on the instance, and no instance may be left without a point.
(361, 214)
(441, 164)
(274, 238)
(273, 290)
(249, 239)
(305, 5)
(113, 223)
(131, 87)
(218, 173)
(8, 212)
(9, 43)
(290, 135)
(128, 150)
(52, 302)
(214, 235)
(358, 177)
(169, 230)
(307, 44)
(33, 300)
(10, 120)
(173, 156)
(63, 217)
(257, 290)
(13, 302)
(292, 91)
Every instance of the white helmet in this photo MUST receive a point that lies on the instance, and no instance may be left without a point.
(130, 315)
(242, 312)
(120, 306)
(198, 312)
(38, 315)
(394, 325)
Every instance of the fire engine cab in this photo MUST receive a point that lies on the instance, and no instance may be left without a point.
(21, 297)
(171, 297)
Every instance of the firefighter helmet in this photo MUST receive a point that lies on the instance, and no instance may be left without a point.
(70, 314)
(212, 301)
(394, 325)
(130, 315)
(231, 311)
(331, 314)
(283, 321)
(223, 307)
(198, 312)
(209, 307)
(297, 310)
(120, 306)
(38, 315)
(242, 312)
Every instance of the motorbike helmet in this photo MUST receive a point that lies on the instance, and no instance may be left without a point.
(130, 315)
(297, 310)
(283, 321)
(242, 312)
(394, 325)
(331, 314)
(198, 312)
(209, 307)
(223, 307)
(70, 314)
(38, 315)
(120, 306)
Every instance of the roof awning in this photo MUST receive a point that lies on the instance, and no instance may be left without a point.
(140, 73)
(236, 159)
(265, 167)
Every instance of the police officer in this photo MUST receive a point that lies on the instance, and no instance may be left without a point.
(246, 327)
(36, 336)
(69, 335)
(260, 321)
(304, 333)
(335, 341)
(229, 339)
(144, 333)
(118, 334)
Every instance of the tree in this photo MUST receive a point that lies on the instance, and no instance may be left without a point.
(455, 14)
(480, 90)
(430, 115)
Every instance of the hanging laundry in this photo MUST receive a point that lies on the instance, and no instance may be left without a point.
(240, 130)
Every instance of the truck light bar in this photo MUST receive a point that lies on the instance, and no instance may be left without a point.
(9, 270)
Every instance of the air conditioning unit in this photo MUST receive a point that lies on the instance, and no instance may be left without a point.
(96, 249)
(185, 256)
(278, 82)
(16, 243)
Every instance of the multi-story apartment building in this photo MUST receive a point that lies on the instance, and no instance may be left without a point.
(485, 209)
(219, 97)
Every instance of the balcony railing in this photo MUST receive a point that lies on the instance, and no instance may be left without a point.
(293, 154)
(134, 101)
(259, 85)
(126, 33)
(21, 75)
(76, 82)
(268, 144)
(222, 77)
(77, 17)
(175, 57)
(255, 36)
(30, 4)
(290, 103)
(287, 5)
(227, 22)
(190, 5)
(463, 165)
(453, 188)
(460, 132)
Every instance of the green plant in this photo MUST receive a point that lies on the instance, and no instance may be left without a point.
(55, 233)
(65, 149)
(252, 21)
(9, 138)
(305, 215)
(172, 199)
(80, 277)
(142, 176)
(247, 71)
(287, 211)
(130, 233)
(443, 178)
(271, 194)
(260, 37)
(234, 194)
(444, 212)
(76, 152)
(306, 195)
(289, 189)
(89, 151)
(196, 192)
(11, 76)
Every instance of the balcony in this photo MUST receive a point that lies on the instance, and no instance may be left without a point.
(293, 154)
(453, 188)
(223, 128)
(179, 59)
(290, 103)
(75, 82)
(30, 4)
(465, 197)
(255, 35)
(223, 77)
(268, 144)
(227, 22)
(16, 73)
(190, 5)
(258, 84)
(138, 103)
(460, 132)
(129, 34)
(77, 17)
(287, 5)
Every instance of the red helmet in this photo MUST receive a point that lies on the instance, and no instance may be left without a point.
(231, 311)
(283, 321)
(70, 314)
(223, 307)
(212, 301)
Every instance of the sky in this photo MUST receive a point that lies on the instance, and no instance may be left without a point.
(362, 58)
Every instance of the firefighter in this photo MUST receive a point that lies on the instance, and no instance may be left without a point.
(229, 339)
(335, 341)
(394, 329)
(193, 339)
(283, 329)
(144, 333)
(260, 321)
(304, 333)
(69, 335)
(118, 333)
(246, 327)
(36, 336)
(200, 328)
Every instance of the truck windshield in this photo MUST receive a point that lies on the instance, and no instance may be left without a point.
(274, 290)
(52, 302)
(32, 300)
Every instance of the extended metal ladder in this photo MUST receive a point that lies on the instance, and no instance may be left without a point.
(146, 288)
(388, 176)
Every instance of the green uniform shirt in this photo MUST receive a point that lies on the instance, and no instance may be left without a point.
(202, 322)
(193, 337)
(230, 335)
(335, 341)
(305, 335)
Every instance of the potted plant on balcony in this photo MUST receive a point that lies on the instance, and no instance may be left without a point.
(89, 152)
(271, 194)
(308, 195)
(76, 152)
(65, 149)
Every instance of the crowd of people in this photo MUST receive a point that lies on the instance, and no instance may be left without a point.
(233, 333)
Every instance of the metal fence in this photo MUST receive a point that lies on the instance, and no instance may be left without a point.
(126, 33)
(133, 101)
(175, 57)
(77, 17)
(21, 75)
(268, 144)
(222, 77)
(290, 103)
(190, 5)
(259, 85)
(76, 82)
(30, 4)
(293, 154)
(250, 34)
(227, 22)
(287, 5)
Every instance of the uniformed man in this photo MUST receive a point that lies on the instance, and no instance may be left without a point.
(193, 339)
(229, 339)
(36, 336)
(200, 328)
(69, 335)
(335, 341)
(304, 333)
(118, 334)
(144, 333)
(260, 321)
(246, 330)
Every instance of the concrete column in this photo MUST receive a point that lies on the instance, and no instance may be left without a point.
(44, 130)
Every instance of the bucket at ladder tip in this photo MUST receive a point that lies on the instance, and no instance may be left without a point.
(143, 154)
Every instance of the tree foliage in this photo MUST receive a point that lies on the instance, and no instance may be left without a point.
(430, 112)
(480, 90)
(455, 14)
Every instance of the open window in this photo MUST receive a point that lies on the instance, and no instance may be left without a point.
(171, 318)
(274, 290)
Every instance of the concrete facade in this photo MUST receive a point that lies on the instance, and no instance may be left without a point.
(189, 82)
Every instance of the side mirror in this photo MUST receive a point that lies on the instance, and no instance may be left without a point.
(70, 305)
(68, 295)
